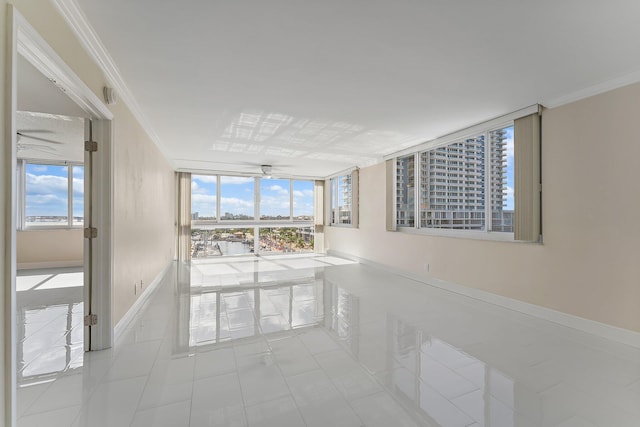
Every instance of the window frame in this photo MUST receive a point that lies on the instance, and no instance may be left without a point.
(486, 233)
(21, 171)
(332, 197)
(218, 222)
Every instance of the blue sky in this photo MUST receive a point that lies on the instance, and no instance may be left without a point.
(47, 190)
(510, 183)
(236, 196)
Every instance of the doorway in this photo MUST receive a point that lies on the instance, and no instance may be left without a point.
(49, 247)
(42, 85)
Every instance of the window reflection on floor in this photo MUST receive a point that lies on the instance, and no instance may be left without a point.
(49, 324)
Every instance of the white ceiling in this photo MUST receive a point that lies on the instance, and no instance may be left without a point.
(314, 87)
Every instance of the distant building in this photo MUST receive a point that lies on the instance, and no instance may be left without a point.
(452, 186)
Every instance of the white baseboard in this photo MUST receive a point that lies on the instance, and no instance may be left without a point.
(48, 264)
(613, 333)
(139, 303)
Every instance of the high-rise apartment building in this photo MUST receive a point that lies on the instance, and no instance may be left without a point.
(452, 185)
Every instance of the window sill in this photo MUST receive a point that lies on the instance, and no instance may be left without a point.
(464, 234)
(51, 228)
(249, 223)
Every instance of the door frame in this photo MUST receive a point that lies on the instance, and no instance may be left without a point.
(24, 40)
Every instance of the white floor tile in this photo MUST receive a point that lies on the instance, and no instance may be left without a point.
(281, 412)
(330, 345)
(214, 362)
(113, 404)
(58, 418)
(64, 392)
(381, 410)
(176, 414)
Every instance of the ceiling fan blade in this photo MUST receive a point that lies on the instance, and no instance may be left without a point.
(37, 138)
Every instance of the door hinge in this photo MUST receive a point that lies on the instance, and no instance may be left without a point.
(90, 233)
(90, 320)
(90, 146)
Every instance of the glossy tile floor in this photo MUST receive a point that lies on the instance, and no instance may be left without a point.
(320, 341)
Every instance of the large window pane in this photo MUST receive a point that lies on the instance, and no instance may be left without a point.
(221, 242)
(47, 195)
(303, 200)
(502, 184)
(405, 191)
(286, 239)
(236, 198)
(275, 202)
(203, 197)
(452, 186)
(341, 199)
(78, 195)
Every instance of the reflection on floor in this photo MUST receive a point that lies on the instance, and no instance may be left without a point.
(50, 331)
(318, 341)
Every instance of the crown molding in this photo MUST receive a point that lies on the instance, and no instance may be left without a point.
(79, 24)
(593, 90)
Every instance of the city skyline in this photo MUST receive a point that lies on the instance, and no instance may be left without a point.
(237, 196)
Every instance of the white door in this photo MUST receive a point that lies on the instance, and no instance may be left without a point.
(98, 332)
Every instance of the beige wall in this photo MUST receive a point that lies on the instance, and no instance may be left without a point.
(49, 248)
(144, 220)
(589, 263)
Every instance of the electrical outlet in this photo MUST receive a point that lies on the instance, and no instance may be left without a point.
(135, 288)
(426, 266)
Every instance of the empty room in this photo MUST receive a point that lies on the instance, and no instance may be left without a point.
(334, 213)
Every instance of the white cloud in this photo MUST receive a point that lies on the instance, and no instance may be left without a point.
(274, 205)
(204, 204)
(196, 189)
(78, 186)
(236, 205)
(278, 189)
(46, 183)
(203, 198)
(45, 199)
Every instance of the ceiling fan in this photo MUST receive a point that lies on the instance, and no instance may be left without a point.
(266, 170)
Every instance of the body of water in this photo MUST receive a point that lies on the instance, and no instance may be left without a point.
(233, 248)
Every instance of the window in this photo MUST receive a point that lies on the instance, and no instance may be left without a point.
(303, 201)
(405, 189)
(236, 198)
(343, 193)
(203, 197)
(468, 184)
(52, 195)
(275, 199)
(461, 167)
(223, 217)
